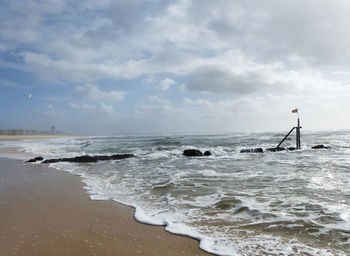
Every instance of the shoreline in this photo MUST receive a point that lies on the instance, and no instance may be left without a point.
(46, 212)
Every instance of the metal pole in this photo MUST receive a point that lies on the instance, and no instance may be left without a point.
(298, 135)
(285, 137)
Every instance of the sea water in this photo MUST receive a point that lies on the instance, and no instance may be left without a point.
(284, 203)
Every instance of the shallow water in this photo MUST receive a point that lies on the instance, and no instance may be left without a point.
(285, 203)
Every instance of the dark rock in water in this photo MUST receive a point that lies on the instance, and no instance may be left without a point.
(207, 153)
(88, 159)
(254, 213)
(84, 159)
(192, 152)
(258, 150)
(121, 156)
(50, 161)
(113, 157)
(77, 159)
(320, 147)
(291, 148)
(226, 204)
(242, 209)
(102, 158)
(33, 160)
(252, 150)
(276, 149)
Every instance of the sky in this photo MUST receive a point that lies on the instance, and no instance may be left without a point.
(112, 67)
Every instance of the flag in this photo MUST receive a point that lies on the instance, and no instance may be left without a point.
(295, 110)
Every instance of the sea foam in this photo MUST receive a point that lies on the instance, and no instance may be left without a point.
(289, 203)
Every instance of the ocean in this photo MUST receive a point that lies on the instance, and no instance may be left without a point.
(282, 203)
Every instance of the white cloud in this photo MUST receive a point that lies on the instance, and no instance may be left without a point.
(112, 44)
(53, 114)
(100, 109)
(90, 91)
(159, 100)
(104, 108)
(244, 55)
(165, 84)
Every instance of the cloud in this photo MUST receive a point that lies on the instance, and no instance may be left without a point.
(234, 72)
(216, 79)
(159, 100)
(90, 91)
(53, 114)
(228, 58)
(220, 109)
(100, 109)
(165, 84)
(104, 108)
(112, 43)
(163, 111)
(22, 22)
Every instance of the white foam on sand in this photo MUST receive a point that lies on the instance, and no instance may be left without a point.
(12, 151)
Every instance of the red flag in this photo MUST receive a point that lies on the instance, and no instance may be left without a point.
(295, 110)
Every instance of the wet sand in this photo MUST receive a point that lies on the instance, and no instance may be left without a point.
(46, 212)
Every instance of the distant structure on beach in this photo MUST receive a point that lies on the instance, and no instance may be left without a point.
(53, 131)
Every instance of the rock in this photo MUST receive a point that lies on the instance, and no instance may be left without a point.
(88, 159)
(242, 209)
(121, 156)
(320, 147)
(33, 160)
(192, 152)
(207, 153)
(50, 161)
(113, 157)
(276, 149)
(252, 150)
(84, 159)
(77, 159)
(226, 204)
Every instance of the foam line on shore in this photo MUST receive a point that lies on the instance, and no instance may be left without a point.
(139, 216)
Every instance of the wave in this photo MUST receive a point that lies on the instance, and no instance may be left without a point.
(286, 203)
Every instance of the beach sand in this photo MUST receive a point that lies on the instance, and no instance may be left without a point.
(46, 212)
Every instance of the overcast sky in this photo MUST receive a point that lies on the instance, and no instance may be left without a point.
(167, 66)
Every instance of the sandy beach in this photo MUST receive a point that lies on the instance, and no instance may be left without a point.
(47, 212)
